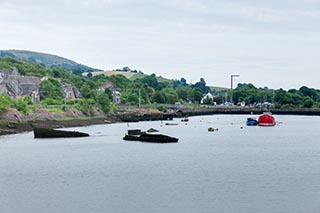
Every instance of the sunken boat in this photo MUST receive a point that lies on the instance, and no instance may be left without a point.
(53, 133)
(138, 135)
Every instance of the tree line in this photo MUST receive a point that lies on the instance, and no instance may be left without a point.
(146, 90)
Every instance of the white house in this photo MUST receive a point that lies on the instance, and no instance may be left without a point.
(208, 95)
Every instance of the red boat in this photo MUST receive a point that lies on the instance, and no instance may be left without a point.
(266, 119)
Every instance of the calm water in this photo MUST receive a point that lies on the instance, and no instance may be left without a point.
(254, 169)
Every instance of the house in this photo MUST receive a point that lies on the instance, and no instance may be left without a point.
(70, 92)
(18, 86)
(106, 85)
(207, 96)
(116, 92)
(242, 104)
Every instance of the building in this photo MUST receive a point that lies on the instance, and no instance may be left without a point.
(116, 92)
(70, 92)
(18, 86)
(207, 96)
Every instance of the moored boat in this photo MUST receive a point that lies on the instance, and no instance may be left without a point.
(251, 122)
(210, 129)
(266, 119)
(185, 119)
(137, 135)
(171, 124)
(53, 133)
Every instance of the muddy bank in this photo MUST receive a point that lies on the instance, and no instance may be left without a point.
(12, 122)
(10, 127)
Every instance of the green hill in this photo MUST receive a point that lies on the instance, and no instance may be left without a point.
(46, 60)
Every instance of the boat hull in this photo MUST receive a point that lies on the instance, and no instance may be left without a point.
(266, 119)
(52, 133)
(154, 138)
(251, 122)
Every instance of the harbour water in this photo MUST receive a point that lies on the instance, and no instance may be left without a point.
(235, 169)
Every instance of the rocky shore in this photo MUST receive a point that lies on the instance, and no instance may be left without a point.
(12, 122)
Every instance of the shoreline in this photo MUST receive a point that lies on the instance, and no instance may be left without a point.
(14, 124)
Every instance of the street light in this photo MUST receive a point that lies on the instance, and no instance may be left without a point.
(231, 98)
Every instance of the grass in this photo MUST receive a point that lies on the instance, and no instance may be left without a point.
(80, 118)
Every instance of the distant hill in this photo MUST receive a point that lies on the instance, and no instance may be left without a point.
(46, 60)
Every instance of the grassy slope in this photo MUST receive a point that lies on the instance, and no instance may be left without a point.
(45, 59)
(130, 75)
(133, 76)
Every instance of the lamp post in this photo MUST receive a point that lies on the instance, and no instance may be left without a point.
(231, 98)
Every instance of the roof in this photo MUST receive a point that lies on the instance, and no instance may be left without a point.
(20, 85)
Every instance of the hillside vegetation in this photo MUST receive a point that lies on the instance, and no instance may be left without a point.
(137, 88)
(128, 74)
(46, 60)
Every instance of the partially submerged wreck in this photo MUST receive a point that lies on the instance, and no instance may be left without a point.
(53, 133)
(138, 135)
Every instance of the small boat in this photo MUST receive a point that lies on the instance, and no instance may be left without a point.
(171, 124)
(266, 119)
(210, 129)
(53, 133)
(252, 122)
(185, 119)
(138, 135)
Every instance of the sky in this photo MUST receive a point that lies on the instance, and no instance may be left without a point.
(268, 43)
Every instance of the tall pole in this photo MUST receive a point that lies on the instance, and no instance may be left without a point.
(231, 93)
(139, 99)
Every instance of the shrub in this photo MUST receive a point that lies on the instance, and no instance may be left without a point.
(22, 106)
(5, 102)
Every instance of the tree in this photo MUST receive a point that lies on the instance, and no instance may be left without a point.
(5, 102)
(51, 88)
(183, 82)
(28, 100)
(159, 98)
(109, 93)
(77, 72)
(89, 75)
(182, 92)
(126, 69)
(312, 93)
(283, 98)
(196, 95)
(170, 95)
(307, 102)
(104, 102)
(208, 101)
(202, 86)
(150, 80)
(22, 106)
(129, 97)
(89, 90)
(119, 81)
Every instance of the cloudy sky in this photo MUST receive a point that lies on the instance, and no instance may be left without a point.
(268, 43)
